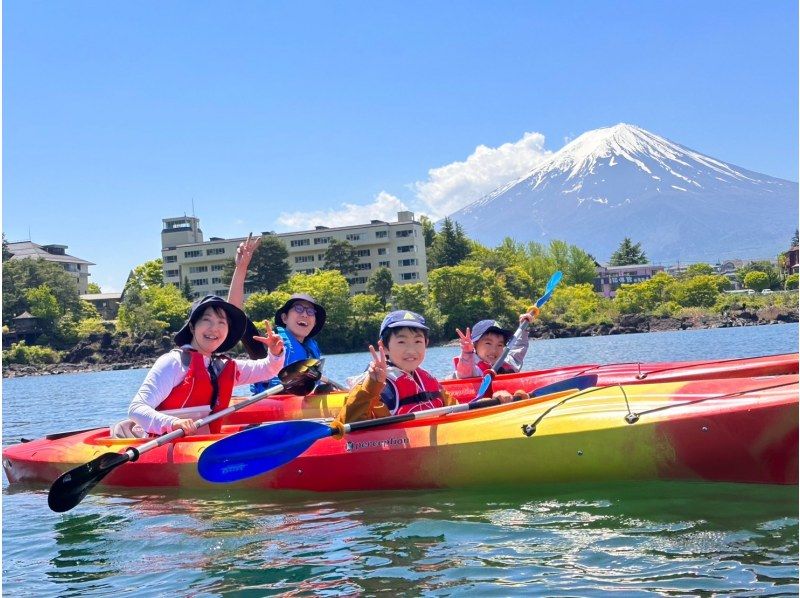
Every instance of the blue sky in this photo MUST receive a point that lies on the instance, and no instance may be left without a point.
(281, 115)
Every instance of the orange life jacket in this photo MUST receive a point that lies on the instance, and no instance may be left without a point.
(196, 389)
(405, 393)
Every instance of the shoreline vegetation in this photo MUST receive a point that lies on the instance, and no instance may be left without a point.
(109, 351)
(48, 328)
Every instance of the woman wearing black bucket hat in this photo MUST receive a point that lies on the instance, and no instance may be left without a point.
(197, 378)
(297, 321)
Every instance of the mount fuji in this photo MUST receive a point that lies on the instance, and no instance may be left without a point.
(623, 181)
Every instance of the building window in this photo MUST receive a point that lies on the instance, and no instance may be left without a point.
(321, 257)
(170, 259)
(217, 267)
(406, 249)
(220, 292)
(299, 259)
(366, 266)
(383, 264)
(199, 281)
(195, 253)
(300, 242)
(216, 280)
(381, 234)
(362, 253)
(307, 271)
(321, 240)
(197, 269)
(381, 250)
(409, 262)
(171, 273)
(404, 233)
(354, 237)
(215, 251)
(409, 276)
(357, 280)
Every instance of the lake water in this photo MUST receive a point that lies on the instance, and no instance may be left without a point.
(634, 539)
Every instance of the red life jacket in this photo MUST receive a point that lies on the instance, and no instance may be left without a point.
(485, 367)
(196, 389)
(411, 392)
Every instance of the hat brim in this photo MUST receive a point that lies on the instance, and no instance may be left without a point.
(237, 321)
(320, 317)
(406, 324)
(506, 334)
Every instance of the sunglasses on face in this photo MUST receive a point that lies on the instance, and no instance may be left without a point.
(300, 309)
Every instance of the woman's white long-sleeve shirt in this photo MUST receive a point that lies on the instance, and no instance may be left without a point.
(168, 371)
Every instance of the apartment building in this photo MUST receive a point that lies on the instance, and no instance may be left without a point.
(609, 278)
(74, 266)
(399, 246)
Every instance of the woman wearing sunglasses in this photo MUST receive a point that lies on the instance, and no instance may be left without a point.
(297, 321)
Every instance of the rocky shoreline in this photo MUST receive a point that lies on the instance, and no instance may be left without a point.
(106, 351)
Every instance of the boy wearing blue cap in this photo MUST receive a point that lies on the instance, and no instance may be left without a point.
(484, 344)
(394, 382)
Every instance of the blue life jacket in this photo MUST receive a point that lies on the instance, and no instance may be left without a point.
(295, 351)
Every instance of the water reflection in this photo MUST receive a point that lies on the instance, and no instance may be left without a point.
(662, 538)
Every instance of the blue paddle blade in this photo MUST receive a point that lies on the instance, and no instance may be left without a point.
(487, 380)
(553, 282)
(258, 450)
(544, 299)
(551, 286)
(576, 383)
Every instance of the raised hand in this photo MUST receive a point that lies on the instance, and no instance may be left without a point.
(466, 341)
(378, 367)
(244, 253)
(273, 341)
(529, 315)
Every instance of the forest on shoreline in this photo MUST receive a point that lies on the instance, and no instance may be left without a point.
(467, 282)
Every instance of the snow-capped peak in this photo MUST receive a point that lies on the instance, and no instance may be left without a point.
(647, 151)
(623, 181)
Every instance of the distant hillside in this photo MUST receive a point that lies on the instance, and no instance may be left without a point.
(624, 181)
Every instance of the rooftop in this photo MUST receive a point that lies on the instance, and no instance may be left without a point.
(29, 250)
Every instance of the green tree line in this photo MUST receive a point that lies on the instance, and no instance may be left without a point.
(467, 282)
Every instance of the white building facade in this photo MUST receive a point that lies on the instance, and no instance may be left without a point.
(76, 267)
(398, 246)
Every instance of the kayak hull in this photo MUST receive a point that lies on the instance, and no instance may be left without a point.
(284, 407)
(732, 430)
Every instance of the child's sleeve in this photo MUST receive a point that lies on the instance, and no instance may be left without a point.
(363, 402)
(518, 347)
(466, 368)
(447, 398)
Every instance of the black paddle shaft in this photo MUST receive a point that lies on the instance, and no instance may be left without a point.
(407, 417)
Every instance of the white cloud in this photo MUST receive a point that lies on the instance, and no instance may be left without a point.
(447, 189)
(384, 207)
(458, 184)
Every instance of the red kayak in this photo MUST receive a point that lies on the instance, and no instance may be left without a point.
(284, 407)
(732, 430)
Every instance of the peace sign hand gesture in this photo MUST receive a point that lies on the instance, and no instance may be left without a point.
(378, 367)
(244, 253)
(273, 341)
(466, 341)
